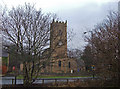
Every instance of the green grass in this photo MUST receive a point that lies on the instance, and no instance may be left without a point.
(21, 77)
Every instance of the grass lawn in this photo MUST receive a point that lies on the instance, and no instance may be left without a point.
(21, 76)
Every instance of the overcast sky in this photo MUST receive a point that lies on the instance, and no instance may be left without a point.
(81, 15)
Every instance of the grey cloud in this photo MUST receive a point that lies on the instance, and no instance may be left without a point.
(85, 17)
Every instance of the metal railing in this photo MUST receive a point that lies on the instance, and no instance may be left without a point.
(43, 80)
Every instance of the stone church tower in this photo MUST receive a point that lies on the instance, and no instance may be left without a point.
(58, 46)
(58, 39)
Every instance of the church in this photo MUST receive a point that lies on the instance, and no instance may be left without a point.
(60, 62)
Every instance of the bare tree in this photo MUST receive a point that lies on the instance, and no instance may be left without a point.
(29, 30)
(104, 45)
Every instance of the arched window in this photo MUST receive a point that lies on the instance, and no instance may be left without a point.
(69, 64)
(59, 64)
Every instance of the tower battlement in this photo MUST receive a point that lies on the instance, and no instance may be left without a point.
(61, 22)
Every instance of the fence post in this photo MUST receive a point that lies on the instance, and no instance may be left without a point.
(12, 81)
(15, 79)
(55, 81)
(74, 81)
(42, 81)
(67, 81)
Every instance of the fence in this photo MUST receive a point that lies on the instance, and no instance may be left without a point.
(43, 81)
